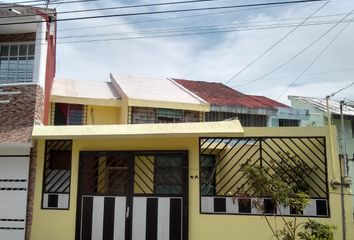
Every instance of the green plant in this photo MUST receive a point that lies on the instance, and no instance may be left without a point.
(284, 181)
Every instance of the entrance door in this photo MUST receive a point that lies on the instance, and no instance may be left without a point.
(132, 196)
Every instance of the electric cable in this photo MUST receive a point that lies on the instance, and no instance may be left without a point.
(300, 52)
(275, 44)
(315, 59)
(164, 12)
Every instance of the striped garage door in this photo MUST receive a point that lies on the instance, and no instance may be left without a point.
(13, 196)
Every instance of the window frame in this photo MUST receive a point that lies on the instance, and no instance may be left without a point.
(17, 81)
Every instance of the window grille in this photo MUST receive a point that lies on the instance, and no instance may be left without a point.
(223, 186)
(57, 174)
(289, 123)
(162, 115)
(246, 120)
(69, 114)
(16, 63)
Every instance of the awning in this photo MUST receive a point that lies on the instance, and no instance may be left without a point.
(205, 129)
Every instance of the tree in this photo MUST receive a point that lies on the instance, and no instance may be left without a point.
(284, 182)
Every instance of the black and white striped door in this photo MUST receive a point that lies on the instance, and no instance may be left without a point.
(157, 218)
(103, 218)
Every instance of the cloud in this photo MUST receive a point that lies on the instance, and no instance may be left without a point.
(212, 57)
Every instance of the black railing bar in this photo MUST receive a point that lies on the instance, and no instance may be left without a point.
(238, 170)
(230, 169)
(208, 145)
(99, 172)
(142, 160)
(222, 168)
(320, 142)
(136, 172)
(293, 168)
(114, 178)
(220, 160)
(315, 145)
(55, 180)
(47, 181)
(241, 177)
(139, 187)
(67, 181)
(217, 145)
(135, 180)
(267, 174)
(304, 161)
(312, 151)
(308, 156)
(61, 184)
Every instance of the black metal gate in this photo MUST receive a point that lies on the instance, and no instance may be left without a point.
(132, 195)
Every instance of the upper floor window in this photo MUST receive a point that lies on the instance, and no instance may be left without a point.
(162, 115)
(16, 63)
(289, 123)
(68, 114)
(246, 120)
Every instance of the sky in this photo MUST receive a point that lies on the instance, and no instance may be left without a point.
(230, 40)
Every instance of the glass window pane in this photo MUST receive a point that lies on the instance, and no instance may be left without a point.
(31, 49)
(4, 50)
(23, 50)
(13, 50)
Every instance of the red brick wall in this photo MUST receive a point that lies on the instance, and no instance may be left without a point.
(17, 117)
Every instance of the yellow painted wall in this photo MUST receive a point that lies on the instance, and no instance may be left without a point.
(99, 115)
(60, 224)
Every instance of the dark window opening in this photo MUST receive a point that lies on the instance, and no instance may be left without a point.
(352, 121)
(168, 175)
(289, 123)
(207, 175)
(246, 120)
(161, 115)
(69, 114)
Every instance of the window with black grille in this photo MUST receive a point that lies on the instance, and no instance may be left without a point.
(207, 175)
(69, 114)
(57, 174)
(162, 115)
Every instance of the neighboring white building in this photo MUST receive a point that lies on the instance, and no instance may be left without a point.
(317, 108)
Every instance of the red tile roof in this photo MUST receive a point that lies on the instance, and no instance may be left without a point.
(268, 102)
(219, 94)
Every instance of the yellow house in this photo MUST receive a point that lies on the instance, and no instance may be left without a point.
(108, 177)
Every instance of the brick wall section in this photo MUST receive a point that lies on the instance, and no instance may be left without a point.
(30, 192)
(19, 37)
(17, 116)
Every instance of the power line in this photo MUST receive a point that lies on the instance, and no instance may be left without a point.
(165, 35)
(275, 44)
(129, 6)
(342, 89)
(316, 58)
(221, 28)
(302, 51)
(7, 5)
(126, 7)
(309, 74)
(167, 11)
